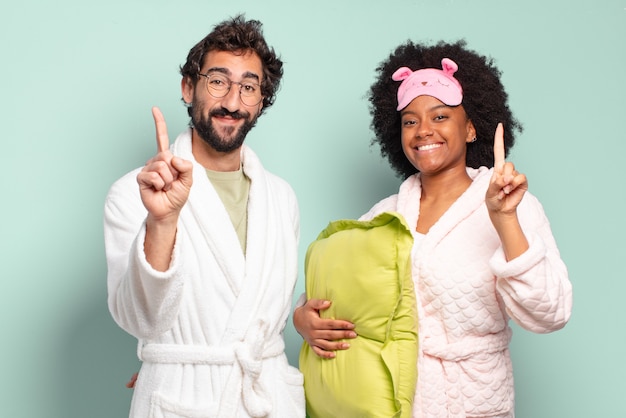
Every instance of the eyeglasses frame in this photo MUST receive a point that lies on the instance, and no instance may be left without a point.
(230, 85)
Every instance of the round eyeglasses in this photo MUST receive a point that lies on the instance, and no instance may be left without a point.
(218, 86)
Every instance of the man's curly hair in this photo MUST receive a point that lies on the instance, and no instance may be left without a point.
(484, 101)
(238, 35)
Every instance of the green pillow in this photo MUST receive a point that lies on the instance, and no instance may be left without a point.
(364, 268)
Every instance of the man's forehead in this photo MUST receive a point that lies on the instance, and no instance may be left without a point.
(246, 64)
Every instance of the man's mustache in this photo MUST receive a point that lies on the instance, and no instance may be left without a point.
(221, 112)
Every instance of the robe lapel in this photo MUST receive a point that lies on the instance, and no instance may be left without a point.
(249, 277)
(261, 253)
(409, 203)
(208, 211)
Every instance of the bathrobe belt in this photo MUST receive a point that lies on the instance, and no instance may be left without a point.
(452, 353)
(246, 357)
(468, 347)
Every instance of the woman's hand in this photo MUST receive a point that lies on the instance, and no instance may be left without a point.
(323, 335)
(504, 194)
(507, 186)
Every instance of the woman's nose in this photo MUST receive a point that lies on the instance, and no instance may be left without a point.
(424, 129)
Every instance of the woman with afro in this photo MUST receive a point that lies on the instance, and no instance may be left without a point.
(483, 249)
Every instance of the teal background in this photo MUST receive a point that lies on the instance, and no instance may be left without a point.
(78, 79)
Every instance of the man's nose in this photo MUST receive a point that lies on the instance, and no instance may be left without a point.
(232, 101)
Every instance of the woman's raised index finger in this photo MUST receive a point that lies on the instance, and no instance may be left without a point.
(163, 142)
(498, 147)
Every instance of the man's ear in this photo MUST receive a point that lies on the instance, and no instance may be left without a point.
(187, 88)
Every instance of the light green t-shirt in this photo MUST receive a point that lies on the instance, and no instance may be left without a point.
(233, 188)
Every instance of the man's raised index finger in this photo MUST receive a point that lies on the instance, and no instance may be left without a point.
(498, 147)
(163, 142)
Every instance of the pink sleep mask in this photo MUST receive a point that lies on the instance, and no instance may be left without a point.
(429, 82)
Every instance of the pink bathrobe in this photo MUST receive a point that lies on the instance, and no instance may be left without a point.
(466, 293)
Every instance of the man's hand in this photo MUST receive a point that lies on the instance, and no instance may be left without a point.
(165, 180)
(164, 184)
(132, 381)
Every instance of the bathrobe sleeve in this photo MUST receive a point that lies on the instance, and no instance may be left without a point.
(535, 286)
(144, 302)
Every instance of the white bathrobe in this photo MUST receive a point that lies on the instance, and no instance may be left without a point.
(210, 328)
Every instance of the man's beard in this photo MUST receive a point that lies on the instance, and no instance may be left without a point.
(234, 136)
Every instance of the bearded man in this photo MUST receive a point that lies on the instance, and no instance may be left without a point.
(201, 247)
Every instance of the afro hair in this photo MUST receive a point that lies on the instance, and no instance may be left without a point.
(484, 99)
